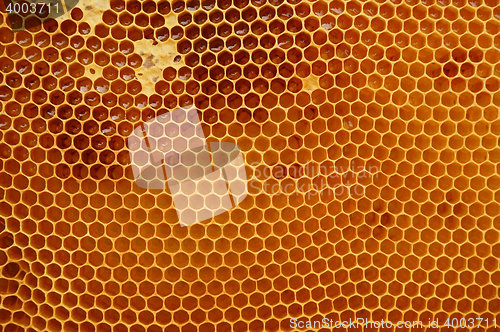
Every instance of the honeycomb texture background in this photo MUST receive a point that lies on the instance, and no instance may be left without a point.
(399, 98)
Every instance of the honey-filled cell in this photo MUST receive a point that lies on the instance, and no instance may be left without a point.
(369, 134)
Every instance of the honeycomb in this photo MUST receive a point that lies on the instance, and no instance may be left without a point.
(370, 134)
